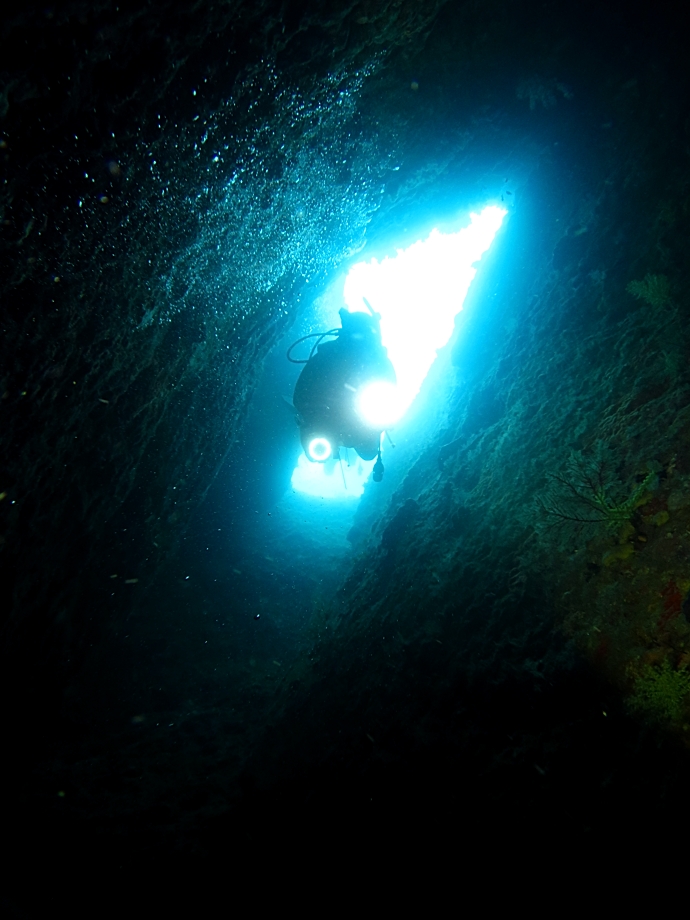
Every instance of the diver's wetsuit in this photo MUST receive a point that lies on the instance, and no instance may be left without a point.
(325, 391)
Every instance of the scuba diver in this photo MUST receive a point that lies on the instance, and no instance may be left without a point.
(343, 395)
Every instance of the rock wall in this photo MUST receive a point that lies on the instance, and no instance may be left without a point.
(523, 587)
(173, 180)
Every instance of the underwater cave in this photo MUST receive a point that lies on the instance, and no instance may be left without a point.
(202, 653)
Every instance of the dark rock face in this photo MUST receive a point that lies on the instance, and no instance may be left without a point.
(179, 184)
(156, 240)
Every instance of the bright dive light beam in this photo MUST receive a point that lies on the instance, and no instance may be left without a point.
(320, 449)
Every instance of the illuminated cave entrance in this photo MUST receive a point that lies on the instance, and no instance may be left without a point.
(418, 293)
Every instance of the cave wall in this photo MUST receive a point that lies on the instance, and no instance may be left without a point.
(526, 579)
(173, 180)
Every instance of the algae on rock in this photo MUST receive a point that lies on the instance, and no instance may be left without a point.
(584, 494)
(660, 693)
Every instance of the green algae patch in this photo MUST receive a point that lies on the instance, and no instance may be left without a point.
(625, 601)
(626, 532)
(660, 695)
(654, 290)
(617, 554)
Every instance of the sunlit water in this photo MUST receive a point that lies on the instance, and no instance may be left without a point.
(418, 293)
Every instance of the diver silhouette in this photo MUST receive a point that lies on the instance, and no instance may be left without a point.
(328, 392)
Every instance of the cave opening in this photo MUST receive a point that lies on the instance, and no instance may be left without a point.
(418, 293)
